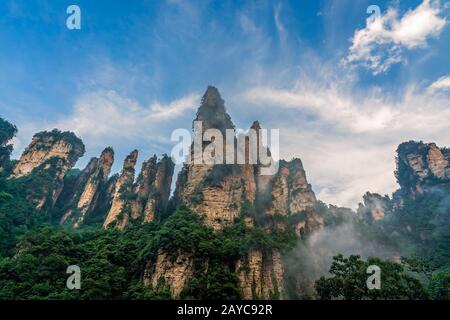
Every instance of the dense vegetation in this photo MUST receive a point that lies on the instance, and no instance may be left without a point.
(34, 253)
(7, 132)
(349, 276)
(112, 262)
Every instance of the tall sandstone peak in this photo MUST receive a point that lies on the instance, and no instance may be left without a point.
(221, 193)
(145, 200)
(374, 207)
(212, 111)
(421, 165)
(216, 192)
(120, 210)
(47, 145)
(143, 186)
(152, 189)
(292, 194)
(87, 188)
(158, 198)
(54, 153)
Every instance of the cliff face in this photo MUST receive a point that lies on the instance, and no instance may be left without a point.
(143, 186)
(47, 145)
(87, 188)
(213, 191)
(120, 210)
(173, 271)
(292, 195)
(421, 165)
(159, 191)
(261, 276)
(50, 156)
(235, 195)
(374, 207)
(146, 199)
(221, 193)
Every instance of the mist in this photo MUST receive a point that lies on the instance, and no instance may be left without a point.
(312, 258)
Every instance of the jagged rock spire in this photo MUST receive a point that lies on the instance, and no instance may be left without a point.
(124, 187)
(55, 153)
(212, 111)
(255, 125)
(46, 145)
(158, 197)
(143, 186)
(421, 164)
(87, 186)
(144, 200)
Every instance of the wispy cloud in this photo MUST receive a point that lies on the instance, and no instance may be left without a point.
(347, 135)
(442, 83)
(384, 39)
(279, 25)
(174, 108)
(104, 115)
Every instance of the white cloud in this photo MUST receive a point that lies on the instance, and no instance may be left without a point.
(331, 105)
(382, 42)
(106, 116)
(247, 25)
(442, 83)
(279, 25)
(175, 108)
(347, 136)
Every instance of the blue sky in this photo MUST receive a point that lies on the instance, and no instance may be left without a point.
(344, 93)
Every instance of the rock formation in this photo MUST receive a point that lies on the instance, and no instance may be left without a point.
(87, 188)
(120, 210)
(106, 195)
(47, 145)
(49, 156)
(221, 193)
(173, 271)
(261, 276)
(143, 187)
(292, 195)
(420, 165)
(158, 197)
(146, 199)
(374, 207)
(227, 192)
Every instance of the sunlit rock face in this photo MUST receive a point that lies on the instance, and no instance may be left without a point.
(120, 210)
(261, 276)
(172, 271)
(222, 193)
(158, 197)
(374, 207)
(49, 156)
(87, 189)
(421, 165)
(47, 145)
(147, 198)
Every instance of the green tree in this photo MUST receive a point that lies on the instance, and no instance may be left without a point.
(349, 278)
(7, 132)
(439, 285)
